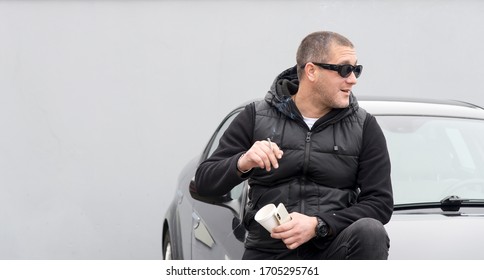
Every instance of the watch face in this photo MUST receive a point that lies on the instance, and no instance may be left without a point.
(322, 229)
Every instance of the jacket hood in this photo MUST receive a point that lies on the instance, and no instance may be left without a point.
(285, 85)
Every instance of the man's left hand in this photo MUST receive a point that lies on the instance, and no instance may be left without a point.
(296, 232)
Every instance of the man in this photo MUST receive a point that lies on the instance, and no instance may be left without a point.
(309, 146)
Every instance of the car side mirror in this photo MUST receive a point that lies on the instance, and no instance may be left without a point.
(207, 199)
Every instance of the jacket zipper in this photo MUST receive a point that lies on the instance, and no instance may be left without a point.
(307, 150)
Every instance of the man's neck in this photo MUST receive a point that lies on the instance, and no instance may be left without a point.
(308, 106)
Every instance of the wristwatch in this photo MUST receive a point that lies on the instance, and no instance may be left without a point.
(322, 228)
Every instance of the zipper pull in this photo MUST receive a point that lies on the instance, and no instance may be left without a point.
(308, 137)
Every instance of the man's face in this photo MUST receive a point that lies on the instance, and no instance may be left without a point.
(334, 90)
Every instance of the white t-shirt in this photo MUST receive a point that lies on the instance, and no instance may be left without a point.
(310, 121)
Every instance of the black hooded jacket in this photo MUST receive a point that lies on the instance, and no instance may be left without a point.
(339, 170)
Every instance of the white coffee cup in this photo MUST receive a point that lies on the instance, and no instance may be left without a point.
(265, 216)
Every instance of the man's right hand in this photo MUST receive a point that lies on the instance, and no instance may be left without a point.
(262, 154)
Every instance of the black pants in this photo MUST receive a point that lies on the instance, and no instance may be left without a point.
(365, 239)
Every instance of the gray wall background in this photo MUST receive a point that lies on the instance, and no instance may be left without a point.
(103, 102)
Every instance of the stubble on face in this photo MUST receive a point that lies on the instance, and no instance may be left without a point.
(333, 90)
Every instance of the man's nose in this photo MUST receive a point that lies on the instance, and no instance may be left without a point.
(352, 79)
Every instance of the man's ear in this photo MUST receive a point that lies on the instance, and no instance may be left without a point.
(310, 71)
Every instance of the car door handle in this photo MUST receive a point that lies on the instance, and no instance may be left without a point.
(201, 232)
(196, 220)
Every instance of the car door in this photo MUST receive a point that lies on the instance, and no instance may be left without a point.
(218, 232)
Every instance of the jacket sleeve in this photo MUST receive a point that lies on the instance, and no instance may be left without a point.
(218, 174)
(375, 199)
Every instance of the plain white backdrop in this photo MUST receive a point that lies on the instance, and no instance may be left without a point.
(103, 102)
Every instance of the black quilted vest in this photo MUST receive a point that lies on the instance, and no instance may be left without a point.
(318, 171)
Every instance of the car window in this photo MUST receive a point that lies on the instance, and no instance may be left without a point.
(220, 132)
(237, 190)
(463, 153)
(434, 157)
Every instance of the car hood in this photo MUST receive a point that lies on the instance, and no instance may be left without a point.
(417, 236)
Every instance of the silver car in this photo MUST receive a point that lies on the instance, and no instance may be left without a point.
(437, 154)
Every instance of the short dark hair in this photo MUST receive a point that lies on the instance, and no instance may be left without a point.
(317, 46)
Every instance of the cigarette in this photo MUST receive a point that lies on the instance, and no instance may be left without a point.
(270, 143)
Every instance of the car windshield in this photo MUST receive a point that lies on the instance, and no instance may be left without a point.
(435, 157)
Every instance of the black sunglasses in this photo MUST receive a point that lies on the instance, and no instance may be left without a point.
(344, 70)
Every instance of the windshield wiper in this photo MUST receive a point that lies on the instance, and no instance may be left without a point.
(451, 203)
(454, 203)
